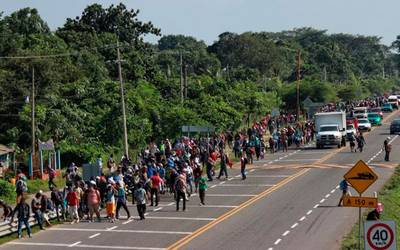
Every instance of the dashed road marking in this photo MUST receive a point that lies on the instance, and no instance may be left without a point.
(327, 196)
(332, 191)
(111, 228)
(286, 233)
(322, 201)
(309, 212)
(277, 241)
(302, 218)
(158, 209)
(294, 225)
(74, 244)
(316, 205)
(94, 235)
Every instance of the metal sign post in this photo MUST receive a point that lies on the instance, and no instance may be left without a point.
(360, 176)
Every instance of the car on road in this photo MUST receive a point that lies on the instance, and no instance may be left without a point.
(394, 101)
(360, 112)
(395, 126)
(375, 119)
(364, 125)
(387, 107)
(376, 110)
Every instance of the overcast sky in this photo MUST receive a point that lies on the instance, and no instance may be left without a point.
(206, 19)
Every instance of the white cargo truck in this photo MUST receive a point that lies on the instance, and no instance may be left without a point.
(331, 129)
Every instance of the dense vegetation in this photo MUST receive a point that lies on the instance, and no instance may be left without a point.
(229, 83)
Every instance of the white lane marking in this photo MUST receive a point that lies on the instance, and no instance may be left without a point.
(228, 195)
(158, 209)
(309, 212)
(117, 231)
(276, 160)
(294, 225)
(178, 218)
(322, 201)
(270, 162)
(277, 241)
(146, 214)
(170, 204)
(337, 186)
(302, 218)
(333, 190)
(270, 248)
(327, 196)
(251, 170)
(74, 244)
(238, 175)
(81, 246)
(316, 205)
(286, 233)
(267, 176)
(126, 222)
(213, 186)
(94, 235)
(247, 185)
(111, 228)
(231, 178)
(222, 183)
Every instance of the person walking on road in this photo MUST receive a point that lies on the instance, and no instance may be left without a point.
(110, 203)
(121, 200)
(344, 186)
(73, 201)
(23, 211)
(93, 201)
(156, 183)
(180, 187)
(387, 147)
(223, 169)
(202, 188)
(360, 142)
(243, 163)
(141, 199)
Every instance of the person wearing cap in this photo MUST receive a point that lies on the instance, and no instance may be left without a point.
(110, 203)
(387, 147)
(376, 213)
(121, 200)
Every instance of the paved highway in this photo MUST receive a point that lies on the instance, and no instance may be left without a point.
(288, 201)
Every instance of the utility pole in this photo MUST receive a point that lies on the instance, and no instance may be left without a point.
(33, 115)
(298, 86)
(181, 72)
(185, 81)
(122, 102)
(325, 74)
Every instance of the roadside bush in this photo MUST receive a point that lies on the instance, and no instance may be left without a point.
(7, 192)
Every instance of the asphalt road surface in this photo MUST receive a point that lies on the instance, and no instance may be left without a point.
(288, 201)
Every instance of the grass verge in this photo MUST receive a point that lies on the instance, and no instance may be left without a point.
(35, 185)
(389, 196)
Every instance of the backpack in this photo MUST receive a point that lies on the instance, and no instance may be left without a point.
(343, 185)
(21, 186)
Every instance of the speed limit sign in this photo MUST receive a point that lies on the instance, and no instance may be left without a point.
(380, 235)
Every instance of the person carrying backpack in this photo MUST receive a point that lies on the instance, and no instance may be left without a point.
(344, 186)
(23, 211)
(141, 199)
(56, 198)
(20, 187)
(180, 189)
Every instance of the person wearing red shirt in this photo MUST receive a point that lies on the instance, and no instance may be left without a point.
(73, 200)
(156, 181)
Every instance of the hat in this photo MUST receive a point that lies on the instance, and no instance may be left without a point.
(379, 207)
(93, 183)
(388, 138)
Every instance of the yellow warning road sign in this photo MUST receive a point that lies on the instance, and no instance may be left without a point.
(360, 177)
(351, 201)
